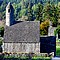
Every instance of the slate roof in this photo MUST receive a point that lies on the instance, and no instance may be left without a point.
(26, 31)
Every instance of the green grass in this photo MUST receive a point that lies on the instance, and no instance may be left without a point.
(27, 58)
(57, 50)
(58, 40)
(41, 58)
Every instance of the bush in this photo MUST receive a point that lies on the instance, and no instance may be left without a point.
(44, 28)
(1, 31)
(57, 30)
(1, 42)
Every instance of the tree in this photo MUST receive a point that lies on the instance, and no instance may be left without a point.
(1, 42)
(58, 13)
(1, 31)
(30, 13)
(47, 11)
(2, 10)
(23, 4)
(57, 30)
(38, 11)
(51, 13)
(44, 27)
(23, 12)
(55, 14)
(0, 16)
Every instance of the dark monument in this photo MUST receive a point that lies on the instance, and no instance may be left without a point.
(48, 44)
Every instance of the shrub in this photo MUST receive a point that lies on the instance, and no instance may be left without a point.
(1, 31)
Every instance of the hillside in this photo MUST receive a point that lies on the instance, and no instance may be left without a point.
(32, 1)
(19, 5)
(34, 10)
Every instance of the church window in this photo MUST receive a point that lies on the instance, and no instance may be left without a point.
(8, 10)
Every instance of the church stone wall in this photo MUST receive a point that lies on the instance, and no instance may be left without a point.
(21, 47)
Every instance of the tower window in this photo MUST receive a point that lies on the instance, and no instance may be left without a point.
(8, 10)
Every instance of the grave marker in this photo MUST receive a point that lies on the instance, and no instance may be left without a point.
(48, 44)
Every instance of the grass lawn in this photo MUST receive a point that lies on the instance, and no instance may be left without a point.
(26, 58)
(36, 58)
(41, 58)
(57, 50)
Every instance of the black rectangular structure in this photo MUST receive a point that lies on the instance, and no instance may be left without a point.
(48, 44)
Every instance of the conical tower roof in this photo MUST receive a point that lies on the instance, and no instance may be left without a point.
(9, 6)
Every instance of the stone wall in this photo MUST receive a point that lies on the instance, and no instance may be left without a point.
(21, 47)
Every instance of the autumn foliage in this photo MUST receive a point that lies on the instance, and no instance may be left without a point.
(44, 27)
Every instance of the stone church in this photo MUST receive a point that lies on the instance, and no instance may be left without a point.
(20, 36)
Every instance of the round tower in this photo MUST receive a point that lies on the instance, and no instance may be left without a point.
(9, 15)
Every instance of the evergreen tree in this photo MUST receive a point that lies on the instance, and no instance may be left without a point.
(39, 12)
(50, 12)
(59, 13)
(23, 4)
(47, 11)
(55, 14)
(30, 14)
